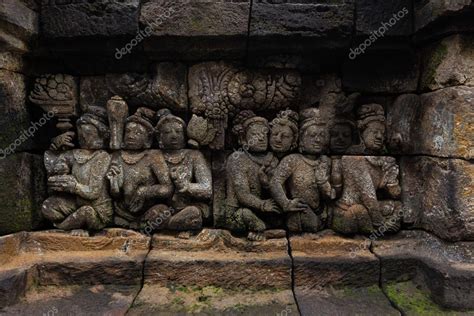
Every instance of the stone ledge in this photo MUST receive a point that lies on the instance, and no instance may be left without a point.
(446, 269)
(327, 268)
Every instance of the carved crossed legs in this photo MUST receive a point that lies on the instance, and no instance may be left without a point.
(160, 217)
(67, 214)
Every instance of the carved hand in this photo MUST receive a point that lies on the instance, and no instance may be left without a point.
(296, 205)
(322, 171)
(270, 206)
(263, 177)
(63, 183)
(63, 141)
(115, 174)
(138, 200)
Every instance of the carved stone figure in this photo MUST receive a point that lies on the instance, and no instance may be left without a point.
(138, 176)
(359, 210)
(190, 173)
(76, 178)
(284, 132)
(248, 172)
(371, 124)
(301, 181)
(343, 135)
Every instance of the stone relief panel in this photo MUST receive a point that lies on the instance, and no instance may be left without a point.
(294, 167)
(218, 91)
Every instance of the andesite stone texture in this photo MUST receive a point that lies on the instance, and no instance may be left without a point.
(438, 196)
(438, 123)
(14, 115)
(367, 21)
(444, 269)
(427, 12)
(22, 190)
(449, 62)
(302, 18)
(70, 19)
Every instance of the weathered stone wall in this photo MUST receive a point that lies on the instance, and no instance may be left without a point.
(151, 52)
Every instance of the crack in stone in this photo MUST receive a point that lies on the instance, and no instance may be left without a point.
(393, 304)
(142, 281)
(292, 273)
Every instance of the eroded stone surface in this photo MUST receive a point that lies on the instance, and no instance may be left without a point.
(449, 62)
(427, 12)
(86, 18)
(446, 270)
(437, 123)
(22, 189)
(302, 18)
(396, 13)
(438, 196)
(216, 258)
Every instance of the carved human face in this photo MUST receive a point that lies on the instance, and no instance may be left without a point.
(314, 140)
(374, 135)
(341, 137)
(281, 138)
(89, 137)
(256, 138)
(136, 136)
(171, 136)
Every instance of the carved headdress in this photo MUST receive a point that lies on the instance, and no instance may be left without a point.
(143, 116)
(243, 120)
(369, 113)
(165, 115)
(310, 117)
(96, 116)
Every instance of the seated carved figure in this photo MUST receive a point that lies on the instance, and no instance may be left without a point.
(359, 209)
(301, 181)
(138, 176)
(76, 178)
(190, 174)
(248, 173)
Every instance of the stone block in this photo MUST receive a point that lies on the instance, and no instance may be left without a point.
(196, 18)
(89, 18)
(427, 12)
(397, 16)
(315, 18)
(438, 196)
(216, 258)
(444, 269)
(449, 62)
(18, 19)
(14, 117)
(22, 192)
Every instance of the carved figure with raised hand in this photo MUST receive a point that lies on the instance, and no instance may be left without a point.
(190, 173)
(301, 181)
(138, 176)
(76, 178)
(359, 210)
(248, 172)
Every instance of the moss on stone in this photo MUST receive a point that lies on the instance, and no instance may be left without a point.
(413, 300)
